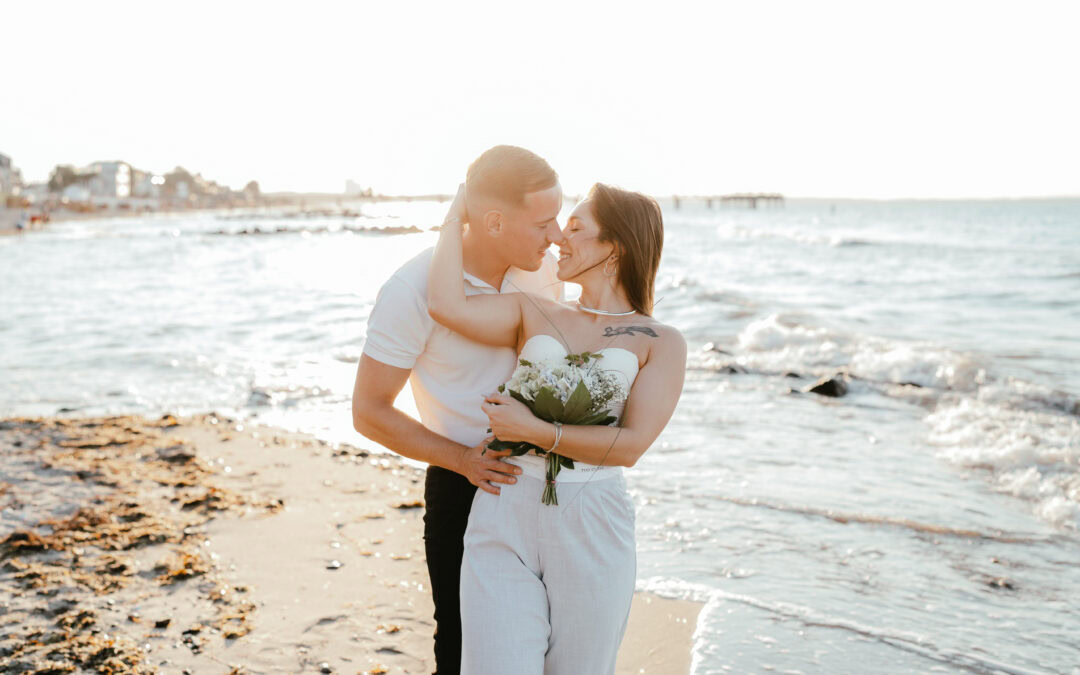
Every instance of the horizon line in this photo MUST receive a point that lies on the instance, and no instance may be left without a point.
(436, 196)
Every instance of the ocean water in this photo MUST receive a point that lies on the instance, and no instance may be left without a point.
(928, 521)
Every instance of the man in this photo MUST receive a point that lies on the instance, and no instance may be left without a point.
(513, 202)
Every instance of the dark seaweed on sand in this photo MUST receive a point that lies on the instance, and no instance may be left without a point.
(150, 493)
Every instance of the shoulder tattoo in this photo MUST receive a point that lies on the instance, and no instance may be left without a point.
(613, 331)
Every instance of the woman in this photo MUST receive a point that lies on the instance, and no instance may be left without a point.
(547, 589)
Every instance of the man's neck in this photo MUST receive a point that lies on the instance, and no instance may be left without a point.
(479, 261)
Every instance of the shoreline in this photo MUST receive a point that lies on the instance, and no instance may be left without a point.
(214, 545)
(9, 216)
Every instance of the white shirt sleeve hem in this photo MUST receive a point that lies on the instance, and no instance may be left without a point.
(382, 357)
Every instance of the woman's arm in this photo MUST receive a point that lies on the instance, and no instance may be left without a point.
(651, 403)
(493, 319)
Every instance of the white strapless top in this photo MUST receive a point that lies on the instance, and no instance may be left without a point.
(547, 349)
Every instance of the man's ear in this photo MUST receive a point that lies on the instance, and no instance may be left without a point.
(493, 221)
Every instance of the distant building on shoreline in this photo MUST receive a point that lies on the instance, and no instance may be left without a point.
(110, 179)
(118, 184)
(354, 189)
(146, 185)
(10, 179)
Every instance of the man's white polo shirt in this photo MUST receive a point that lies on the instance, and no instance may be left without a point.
(450, 374)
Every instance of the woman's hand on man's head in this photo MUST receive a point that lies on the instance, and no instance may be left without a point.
(457, 214)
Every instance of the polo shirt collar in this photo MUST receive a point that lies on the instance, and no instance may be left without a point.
(476, 281)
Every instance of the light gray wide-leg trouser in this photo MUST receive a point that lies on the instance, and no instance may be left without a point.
(546, 590)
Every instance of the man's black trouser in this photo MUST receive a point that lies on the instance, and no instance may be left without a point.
(447, 499)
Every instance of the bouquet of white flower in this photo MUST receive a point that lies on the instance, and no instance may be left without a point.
(575, 392)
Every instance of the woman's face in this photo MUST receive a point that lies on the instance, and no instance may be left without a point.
(581, 250)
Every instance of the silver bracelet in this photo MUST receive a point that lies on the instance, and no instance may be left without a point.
(558, 435)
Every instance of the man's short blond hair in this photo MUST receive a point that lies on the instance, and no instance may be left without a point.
(508, 173)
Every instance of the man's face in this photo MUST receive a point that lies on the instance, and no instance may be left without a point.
(530, 229)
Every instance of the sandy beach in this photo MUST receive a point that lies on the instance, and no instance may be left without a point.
(10, 217)
(8, 220)
(205, 545)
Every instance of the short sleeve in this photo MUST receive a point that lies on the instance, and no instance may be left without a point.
(399, 325)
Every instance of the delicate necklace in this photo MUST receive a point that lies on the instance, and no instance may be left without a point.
(601, 312)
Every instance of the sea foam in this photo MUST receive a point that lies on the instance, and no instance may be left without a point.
(1032, 451)
(1026, 435)
(778, 343)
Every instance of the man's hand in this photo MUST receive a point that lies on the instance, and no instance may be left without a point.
(485, 469)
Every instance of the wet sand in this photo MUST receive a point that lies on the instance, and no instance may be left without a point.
(211, 546)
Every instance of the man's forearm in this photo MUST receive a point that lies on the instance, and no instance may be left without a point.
(401, 433)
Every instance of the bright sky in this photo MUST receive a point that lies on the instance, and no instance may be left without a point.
(849, 99)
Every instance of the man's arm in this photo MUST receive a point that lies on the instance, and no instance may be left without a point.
(374, 416)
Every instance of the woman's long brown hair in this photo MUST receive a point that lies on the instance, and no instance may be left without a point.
(633, 223)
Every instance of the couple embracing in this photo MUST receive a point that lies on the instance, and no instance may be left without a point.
(533, 573)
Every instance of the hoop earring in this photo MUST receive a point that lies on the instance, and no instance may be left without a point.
(612, 272)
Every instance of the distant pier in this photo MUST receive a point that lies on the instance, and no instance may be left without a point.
(751, 199)
(743, 199)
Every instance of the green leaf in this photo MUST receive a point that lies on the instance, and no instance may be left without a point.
(525, 363)
(581, 360)
(523, 448)
(577, 406)
(516, 448)
(566, 462)
(519, 397)
(547, 406)
(603, 417)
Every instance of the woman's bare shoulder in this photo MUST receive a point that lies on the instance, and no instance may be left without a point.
(649, 326)
(670, 340)
(542, 303)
